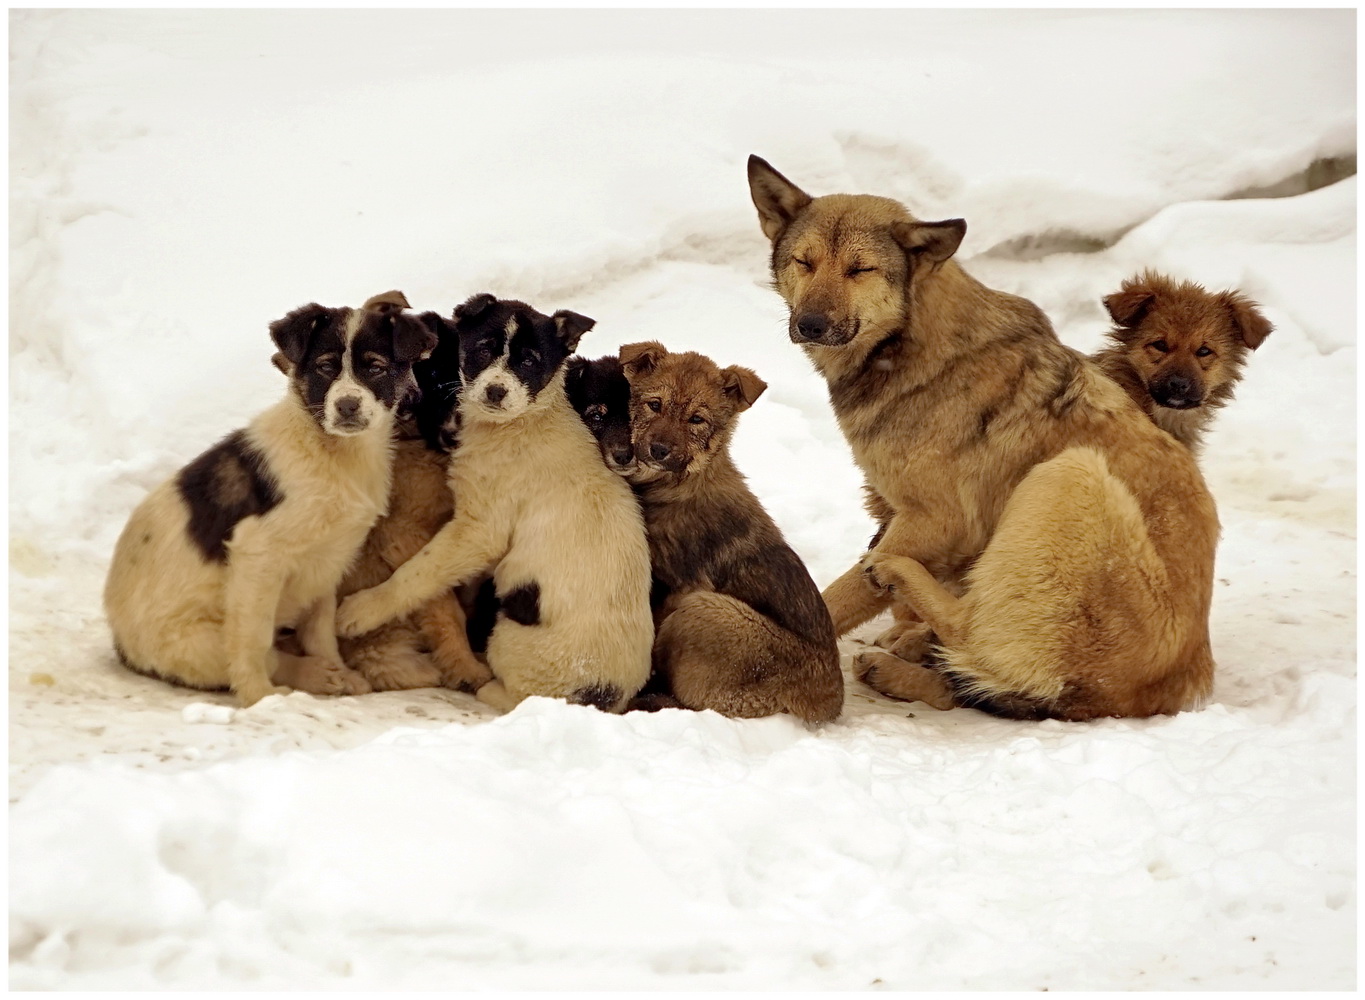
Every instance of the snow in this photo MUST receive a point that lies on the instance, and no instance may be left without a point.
(179, 179)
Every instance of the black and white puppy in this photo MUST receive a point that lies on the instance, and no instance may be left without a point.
(256, 533)
(536, 506)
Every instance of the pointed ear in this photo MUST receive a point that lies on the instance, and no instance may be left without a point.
(742, 386)
(777, 199)
(283, 364)
(1131, 302)
(414, 338)
(474, 306)
(292, 333)
(936, 241)
(394, 301)
(1251, 325)
(571, 327)
(642, 358)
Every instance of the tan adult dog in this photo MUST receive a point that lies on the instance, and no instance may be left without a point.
(1178, 350)
(1058, 544)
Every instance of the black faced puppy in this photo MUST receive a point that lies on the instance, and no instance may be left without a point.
(256, 533)
(560, 532)
(600, 393)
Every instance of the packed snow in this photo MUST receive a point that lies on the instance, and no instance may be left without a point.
(180, 179)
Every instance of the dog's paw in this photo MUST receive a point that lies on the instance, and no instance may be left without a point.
(328, 677)
(360, 613)
(865, 668)
(246, 697)
(468, 676)
(876, 574)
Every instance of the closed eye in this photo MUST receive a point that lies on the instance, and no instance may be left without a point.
(804, 263)
(853, 271)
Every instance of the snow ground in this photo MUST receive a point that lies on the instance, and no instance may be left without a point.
(179, 179)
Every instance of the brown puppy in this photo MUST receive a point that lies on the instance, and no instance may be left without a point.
(1178, 350)
(1056, 541)
(740, 626)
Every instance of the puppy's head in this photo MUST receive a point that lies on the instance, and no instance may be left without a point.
(844, 263)
(600, 393)
(437, 410)
(510, 354)
(1187, 345)
(351, 367)
(683, 407)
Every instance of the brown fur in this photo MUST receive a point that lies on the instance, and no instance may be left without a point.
(1161, 327)
(428, 648)
(741, 628)
(1058, 544)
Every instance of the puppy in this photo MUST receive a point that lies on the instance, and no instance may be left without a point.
(1178, 350)
(430, 647)
(741, 628)
(257, 532)
(600, 394)
(562, 534)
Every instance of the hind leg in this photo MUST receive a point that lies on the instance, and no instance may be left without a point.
(443, 622)
(897, 678)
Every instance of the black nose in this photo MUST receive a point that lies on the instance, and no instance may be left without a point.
(622, 456)
(495, 393)
(1177, 391)
(812, 326)
(347, 407)
(659, 452)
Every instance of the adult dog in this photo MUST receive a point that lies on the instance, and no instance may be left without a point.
(257, 532)
(1056, 542)
(1178, 350)
(535, 503)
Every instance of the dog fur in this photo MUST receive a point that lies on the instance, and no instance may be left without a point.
(1178, 350)
(600, 394)
(1057, 543)
(258, 531)
(740, 626)
(562, 534)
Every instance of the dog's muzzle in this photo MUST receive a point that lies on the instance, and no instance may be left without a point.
(814, 330)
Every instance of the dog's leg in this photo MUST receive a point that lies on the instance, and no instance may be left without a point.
(852, 601)
(443, 623)
(463, 547)
(317, 635)
(317, 675)
(496, 695)
(254, 583)
(890, 675)
(907, 579)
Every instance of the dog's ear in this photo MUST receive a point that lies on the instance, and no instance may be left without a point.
(571, 326)
(414, 338)
(575, 375)
(474, 306)
(282, 363)
(1250, 324)
(642, 358)
(936, 241)
(393, 301)
(777, 199)
(1130, 303)
(742, 385)
(292, 333)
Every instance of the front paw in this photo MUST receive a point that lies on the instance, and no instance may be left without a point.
(361, 613)
(876, 574)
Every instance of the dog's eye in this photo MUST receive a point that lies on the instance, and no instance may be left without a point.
(596, 412)
(529, 361)
(326, 368)
(1159, 345)
(804, 263)
(654, 405)
(1203, 352)
(855, 271)
(696, 418)
(484, 353)
(377, 368)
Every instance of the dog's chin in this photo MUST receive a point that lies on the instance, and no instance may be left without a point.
(493, 414)
(835, 338)
(624, 471)
(660, 469)
(1184, 404)
(350, 428)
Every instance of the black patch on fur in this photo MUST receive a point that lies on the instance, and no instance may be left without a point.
(999, 704)
(482, 616)
(600, 696)
(438, 385)
(132, 667)
(230, 481)
(877, 538)
(652, 703)
(522, 604)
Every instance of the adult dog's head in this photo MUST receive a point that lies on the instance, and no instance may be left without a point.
(600, 393)
(510, 354)
(682, 408)
(1187, 345)
(351, 368)
(845, 264)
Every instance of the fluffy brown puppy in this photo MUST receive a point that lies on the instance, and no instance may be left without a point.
(740, 626)
(1178, 350)
(1055, 540)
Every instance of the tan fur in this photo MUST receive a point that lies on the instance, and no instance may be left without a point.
(1058, 544)
(429, 647)
(741, 626)
(212, 625)
(1165, 328)
(537, 504)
